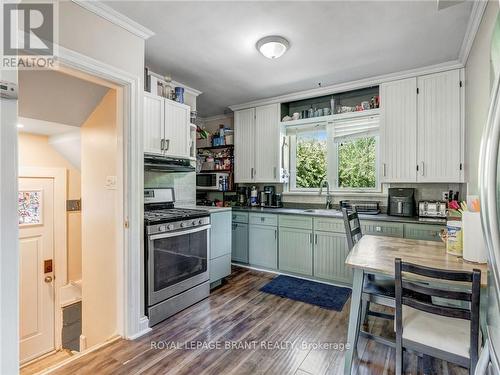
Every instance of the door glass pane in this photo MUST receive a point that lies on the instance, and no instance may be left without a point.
(179, 258)
(29, 207)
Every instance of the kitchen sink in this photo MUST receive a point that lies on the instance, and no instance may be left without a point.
(322, 211)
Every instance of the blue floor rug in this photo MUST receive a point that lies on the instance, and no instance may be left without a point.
(322, 295)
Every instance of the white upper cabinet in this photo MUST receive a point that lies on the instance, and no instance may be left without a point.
(244, 145)
(257, 148)
(177, 136)
(267, 143)
(439, 130)
(398, 131)
(153, 124)
(421, 129)
(166, 127)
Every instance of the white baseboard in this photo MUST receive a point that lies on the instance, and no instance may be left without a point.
(143, 328)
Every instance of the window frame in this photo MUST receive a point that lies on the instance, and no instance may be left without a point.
(332, 165)
(333, 170)
(292, 141)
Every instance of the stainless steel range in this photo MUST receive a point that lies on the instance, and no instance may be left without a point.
(177, 246)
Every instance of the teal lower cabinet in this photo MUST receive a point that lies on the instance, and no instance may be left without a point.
(296, 250)
(219, 268)
(426, 232)
(239, 246)
(220, 246)
(263, 246)
(382, 228)
(330, 253)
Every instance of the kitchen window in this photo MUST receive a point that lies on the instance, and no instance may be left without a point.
(343, 152)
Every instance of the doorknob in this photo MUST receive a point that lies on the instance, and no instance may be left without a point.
(48, 279)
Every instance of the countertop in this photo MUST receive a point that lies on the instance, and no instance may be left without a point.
(335, 214)
(377, 254)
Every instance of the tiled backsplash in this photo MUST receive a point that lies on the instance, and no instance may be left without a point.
(184, 184)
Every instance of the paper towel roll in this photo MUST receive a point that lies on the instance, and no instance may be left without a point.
(474, 244)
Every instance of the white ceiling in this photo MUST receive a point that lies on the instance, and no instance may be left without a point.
(211, 45)
(57, 97)
(49, 128)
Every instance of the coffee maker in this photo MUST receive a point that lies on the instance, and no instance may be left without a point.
(243, 193)
(269, 197)
(266, 196)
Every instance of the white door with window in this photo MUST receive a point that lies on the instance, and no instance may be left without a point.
(36, 252)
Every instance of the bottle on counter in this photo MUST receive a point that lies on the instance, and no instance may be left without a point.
(253, 196)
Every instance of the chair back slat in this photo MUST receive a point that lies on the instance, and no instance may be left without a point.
(409, 294)
(352, 227)
(437, 273)
(451, 312)
(427, 291)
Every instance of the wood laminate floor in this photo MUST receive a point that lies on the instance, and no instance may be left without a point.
(45, 362)
(240, 330)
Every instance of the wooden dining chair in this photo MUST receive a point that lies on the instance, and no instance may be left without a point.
(376, 290)
(450, 332)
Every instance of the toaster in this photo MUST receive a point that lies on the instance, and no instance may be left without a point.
(433, 209)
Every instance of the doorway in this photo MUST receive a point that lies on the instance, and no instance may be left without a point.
(69, 142)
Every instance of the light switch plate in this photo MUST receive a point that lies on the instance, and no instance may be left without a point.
(110, 183)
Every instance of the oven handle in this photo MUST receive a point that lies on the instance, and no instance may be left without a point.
(179, 232)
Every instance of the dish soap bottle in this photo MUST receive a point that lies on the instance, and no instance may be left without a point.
(253, 196)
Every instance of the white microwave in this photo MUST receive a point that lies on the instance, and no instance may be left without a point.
(212, 181)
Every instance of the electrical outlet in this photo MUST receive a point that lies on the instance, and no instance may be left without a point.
(444, 195)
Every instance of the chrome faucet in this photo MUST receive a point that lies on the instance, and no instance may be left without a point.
(329, 197)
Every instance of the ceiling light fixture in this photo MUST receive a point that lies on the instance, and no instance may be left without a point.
(20, 126)
(272, 46)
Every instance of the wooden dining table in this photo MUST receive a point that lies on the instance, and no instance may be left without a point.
(375, 255)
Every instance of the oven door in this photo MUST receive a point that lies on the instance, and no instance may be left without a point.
(177, 261)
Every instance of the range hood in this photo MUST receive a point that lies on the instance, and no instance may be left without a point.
(166, 164)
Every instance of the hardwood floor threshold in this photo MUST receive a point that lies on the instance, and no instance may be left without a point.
(78, 356)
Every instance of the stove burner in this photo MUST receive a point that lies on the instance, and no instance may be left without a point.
(172, 214)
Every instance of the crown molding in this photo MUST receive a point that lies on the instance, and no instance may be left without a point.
(115, 17)
(475, 18)
(352, 85)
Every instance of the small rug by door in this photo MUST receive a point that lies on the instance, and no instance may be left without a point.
(323, 295)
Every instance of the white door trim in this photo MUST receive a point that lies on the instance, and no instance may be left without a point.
(131, 318)
(60, 237)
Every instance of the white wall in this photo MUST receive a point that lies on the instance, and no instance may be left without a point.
(99, 216)
(477, 94)
(93, 36)
(9, 260)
